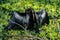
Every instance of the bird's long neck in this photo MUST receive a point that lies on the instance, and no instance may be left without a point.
(32, 17)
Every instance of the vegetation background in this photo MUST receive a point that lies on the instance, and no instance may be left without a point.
(49, 32)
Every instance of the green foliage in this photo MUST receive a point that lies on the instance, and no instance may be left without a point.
(47, 32)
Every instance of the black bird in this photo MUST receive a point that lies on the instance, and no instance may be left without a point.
(28, 18)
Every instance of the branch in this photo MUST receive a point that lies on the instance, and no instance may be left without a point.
(57, 25)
